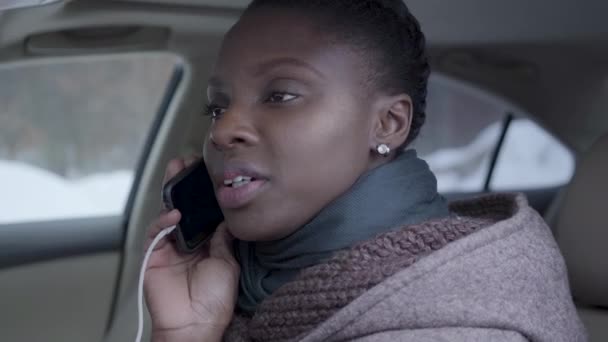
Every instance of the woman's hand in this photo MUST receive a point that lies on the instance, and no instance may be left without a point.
(190, 297)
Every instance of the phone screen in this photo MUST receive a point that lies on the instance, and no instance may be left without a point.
(193, 195)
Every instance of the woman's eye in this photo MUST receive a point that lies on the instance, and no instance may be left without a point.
(214, 111)
(279, 97)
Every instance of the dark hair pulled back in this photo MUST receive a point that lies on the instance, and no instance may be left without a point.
(386, 33)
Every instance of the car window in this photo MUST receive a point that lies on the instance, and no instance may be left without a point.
(462, 131)
(531, 158)
(72, 132)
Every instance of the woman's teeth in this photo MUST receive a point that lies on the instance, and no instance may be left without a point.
(237, 182)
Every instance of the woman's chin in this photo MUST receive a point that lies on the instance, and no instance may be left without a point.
(249, 229)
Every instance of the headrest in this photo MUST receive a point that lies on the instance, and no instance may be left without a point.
(582, 227)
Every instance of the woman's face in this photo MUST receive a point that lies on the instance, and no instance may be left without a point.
(291, 113)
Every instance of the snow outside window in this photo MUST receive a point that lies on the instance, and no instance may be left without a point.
(72, 132)
(461, 132)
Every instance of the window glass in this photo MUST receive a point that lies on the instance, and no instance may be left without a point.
(531, 158)
(72, 132)
(459, 136)
(462, 129)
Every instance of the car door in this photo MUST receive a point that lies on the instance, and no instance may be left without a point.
(477, 143)
(76, 132)
(95, 98)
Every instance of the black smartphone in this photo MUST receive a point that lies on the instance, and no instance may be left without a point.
(192, 193)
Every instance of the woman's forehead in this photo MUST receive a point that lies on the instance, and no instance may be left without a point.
(273, 32)
(266, 37)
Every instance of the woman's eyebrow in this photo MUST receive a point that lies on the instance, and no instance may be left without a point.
(284, 61)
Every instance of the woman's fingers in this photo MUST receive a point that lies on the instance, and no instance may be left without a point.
(191, 160)
(178, 164)
(173, 168)
(165, 220)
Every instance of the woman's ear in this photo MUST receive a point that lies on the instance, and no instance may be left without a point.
(392, 121)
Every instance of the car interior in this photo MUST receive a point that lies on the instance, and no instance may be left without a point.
(75, 279)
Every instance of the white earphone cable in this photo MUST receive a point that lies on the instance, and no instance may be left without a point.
(140, 285)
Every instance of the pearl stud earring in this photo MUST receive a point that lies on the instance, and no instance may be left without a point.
(383, 150)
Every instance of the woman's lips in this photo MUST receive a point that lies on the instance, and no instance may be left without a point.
(235, 198)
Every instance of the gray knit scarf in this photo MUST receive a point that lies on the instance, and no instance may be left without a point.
(398, 193)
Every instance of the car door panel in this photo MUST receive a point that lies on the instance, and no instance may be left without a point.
(60, 276)
(25, 243)
(67, 299)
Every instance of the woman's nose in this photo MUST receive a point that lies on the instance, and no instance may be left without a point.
(232, 130)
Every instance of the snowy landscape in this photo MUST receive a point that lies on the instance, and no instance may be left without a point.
(71, 133)
(531, 158)
(33, 194)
